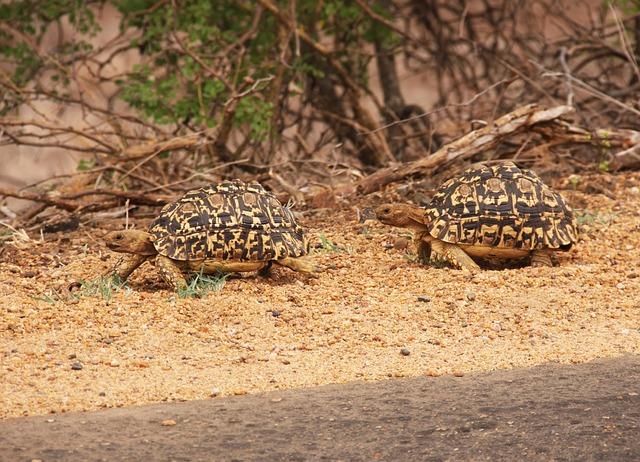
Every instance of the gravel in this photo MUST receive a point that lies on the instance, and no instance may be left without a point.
(346, 325)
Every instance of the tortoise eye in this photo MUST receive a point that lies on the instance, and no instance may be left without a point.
(386, 210)
(119, 237)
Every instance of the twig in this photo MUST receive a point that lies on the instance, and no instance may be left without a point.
(567, 72)
(444, 108)
(585, 86)
(466, 146)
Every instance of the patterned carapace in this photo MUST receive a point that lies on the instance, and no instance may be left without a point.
(228, 221)
(501, 206)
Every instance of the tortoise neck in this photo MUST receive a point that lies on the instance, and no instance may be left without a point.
(139, 242)
(415, 217)
(146, 246)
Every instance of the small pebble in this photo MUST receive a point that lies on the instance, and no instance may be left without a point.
(424, 298)
(72, 356)
(496, 327)
(102, 393)
(76, 366)
(620, 286)
(405, 352)
(168, 423)
(471, 296)
(275, 313)
(276, 400)
(214, 392)
(635, 190)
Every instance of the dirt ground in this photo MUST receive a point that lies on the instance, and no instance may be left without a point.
(143, 344)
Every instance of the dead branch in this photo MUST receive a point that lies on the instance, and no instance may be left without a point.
(134, 197)
(179, 142)
(70, 203)
(465, 147)
(45, 199)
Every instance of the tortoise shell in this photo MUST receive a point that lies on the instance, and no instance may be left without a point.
(231, 220)
(501, 206)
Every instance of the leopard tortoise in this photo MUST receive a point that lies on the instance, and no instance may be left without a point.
(227, 227)
(490, 213)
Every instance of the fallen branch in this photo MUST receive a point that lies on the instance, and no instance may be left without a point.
(70, 204)
(470, 144)
(42, 198)
(134, 197)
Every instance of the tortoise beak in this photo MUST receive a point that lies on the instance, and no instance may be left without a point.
(367, 213)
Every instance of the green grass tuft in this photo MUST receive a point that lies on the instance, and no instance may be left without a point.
(326, 245)
(104, 286)
(588, 218)
(202, 284)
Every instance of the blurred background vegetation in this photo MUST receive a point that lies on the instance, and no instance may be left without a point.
(158, 95)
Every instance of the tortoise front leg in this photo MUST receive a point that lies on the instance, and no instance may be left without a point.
(127, 265)
(541, 257)
(170, 272)
(453, 254)
(423, 248)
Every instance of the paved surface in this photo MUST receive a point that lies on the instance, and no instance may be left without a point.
(552, 412)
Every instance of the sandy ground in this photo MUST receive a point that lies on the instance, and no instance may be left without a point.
(143, 344)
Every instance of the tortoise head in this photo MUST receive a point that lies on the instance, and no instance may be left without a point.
(130, 241)
(401, 215)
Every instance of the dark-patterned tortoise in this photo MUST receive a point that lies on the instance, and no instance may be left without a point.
(227, 227)
(497, 212)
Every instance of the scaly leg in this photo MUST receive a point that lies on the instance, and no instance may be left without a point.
(265, 272)
(541, 257)
(423, 250)
(453, 254)
(127, 265)
(304, 265)
(170, 272)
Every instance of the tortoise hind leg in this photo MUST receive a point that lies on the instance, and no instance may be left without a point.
(541, 257)
(453, 254)
(303, 265)
(170, 272)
